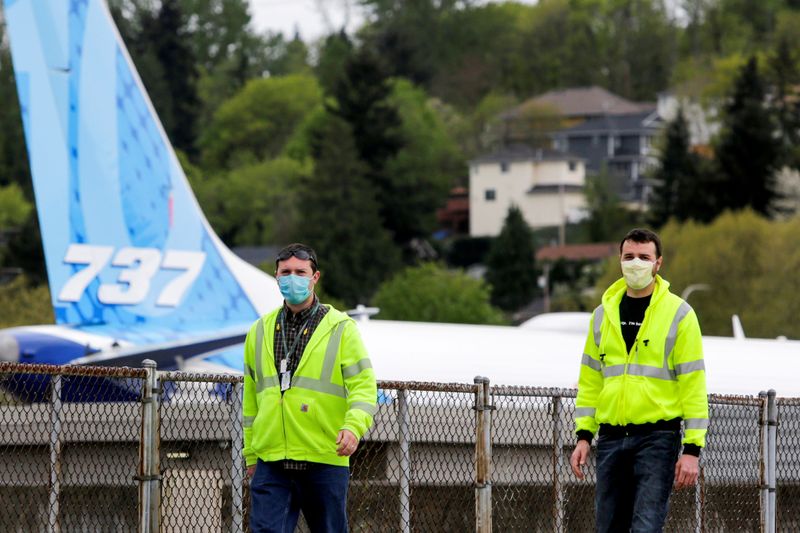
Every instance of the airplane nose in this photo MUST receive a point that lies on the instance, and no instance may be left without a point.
(9, 349)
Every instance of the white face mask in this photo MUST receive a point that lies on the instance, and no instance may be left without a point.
(638, 273)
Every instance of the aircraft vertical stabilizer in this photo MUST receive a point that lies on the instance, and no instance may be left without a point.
(124, 238)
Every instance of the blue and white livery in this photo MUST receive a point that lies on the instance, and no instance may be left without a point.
(130, 257)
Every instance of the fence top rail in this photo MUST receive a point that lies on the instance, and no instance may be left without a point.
(428, 386)
(731, 399)
(73, 370)
(793, 402)
(520, 390)
(199, 377)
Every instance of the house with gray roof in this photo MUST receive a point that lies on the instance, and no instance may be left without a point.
(622, 143)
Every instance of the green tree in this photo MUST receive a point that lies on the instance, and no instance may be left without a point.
(340, 217)
(14, 207)
(784, 77)
(22, 304)
(256, 123)
(13, 156)
(607, 218)
(165, 34)
(252, 204)
(431, 293)
(678, 192)
(363, 101)
(510, 264)
(747, 151)
(420, 175)
(334, 52)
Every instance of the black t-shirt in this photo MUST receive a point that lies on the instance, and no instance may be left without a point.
(631, 315)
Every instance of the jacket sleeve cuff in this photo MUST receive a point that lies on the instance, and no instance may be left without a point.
(691, 449)
(584, 434)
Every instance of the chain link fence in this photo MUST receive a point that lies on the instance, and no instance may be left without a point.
(121, 449)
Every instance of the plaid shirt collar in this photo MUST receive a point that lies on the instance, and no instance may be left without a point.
(302, 316)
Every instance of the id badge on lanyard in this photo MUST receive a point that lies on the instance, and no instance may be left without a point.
(286, 376)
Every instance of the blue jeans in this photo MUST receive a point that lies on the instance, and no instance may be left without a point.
(634, 481)
(277, 496)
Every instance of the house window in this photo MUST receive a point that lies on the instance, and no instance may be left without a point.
(489, 195)
(504, 167)
(572, 166)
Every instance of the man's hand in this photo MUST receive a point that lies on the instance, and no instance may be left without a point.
(686, 471)
(579, 458)
(347, 442)
(251, 470)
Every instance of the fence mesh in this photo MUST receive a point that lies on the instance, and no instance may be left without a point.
(70, 452)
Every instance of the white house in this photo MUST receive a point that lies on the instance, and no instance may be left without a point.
(547, 186)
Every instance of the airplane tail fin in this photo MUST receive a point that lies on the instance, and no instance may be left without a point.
(124, 238)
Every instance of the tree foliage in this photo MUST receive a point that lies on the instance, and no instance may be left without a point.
(682, 189)
(510, 264)
(340, 217)
(22, 304)
(747, 151)
(256, 123)
(431, 293)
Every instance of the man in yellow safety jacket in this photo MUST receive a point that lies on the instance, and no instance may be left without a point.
(642, 377)
(309, 397)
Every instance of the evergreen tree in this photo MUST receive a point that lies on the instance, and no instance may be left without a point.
(339, 217)
(166, 36)
(13, 156)
(333, 56)
(748, 152)
(676, 191)
(510, 264)
(784, 66)
(362, 95)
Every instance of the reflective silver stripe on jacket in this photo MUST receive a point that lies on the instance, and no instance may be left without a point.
(695, 423)
(594, 364)
(319, 386)
(369, 408)
(259, 342)
(664, 372)
(672, 336)
(250, 372)
(691, 366)
(248, 421)
(324, 384)
(584, 411)
(330, 352)
(356, 368)
(262, 382)
(598, 322)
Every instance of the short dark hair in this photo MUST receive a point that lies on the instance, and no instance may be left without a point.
(300, 251)
(642, 236)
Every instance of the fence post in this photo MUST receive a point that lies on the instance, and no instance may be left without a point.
(237, 466)
(763, 459)
(149, 456)
(772, 430)
(483, 457)
(405, 462)
(558, 464)
(55, 452)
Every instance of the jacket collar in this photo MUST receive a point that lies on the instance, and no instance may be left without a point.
(613, 295)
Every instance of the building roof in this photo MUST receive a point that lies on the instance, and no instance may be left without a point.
(524, 152)
(630, 122)
(574, 252)
(584, 102)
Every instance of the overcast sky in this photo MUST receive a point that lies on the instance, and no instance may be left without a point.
(307, 17)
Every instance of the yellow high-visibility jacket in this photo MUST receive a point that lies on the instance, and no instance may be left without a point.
(661, 378)
(332, 389)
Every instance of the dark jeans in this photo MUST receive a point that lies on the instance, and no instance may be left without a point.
(278, 495)
(634, 480)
